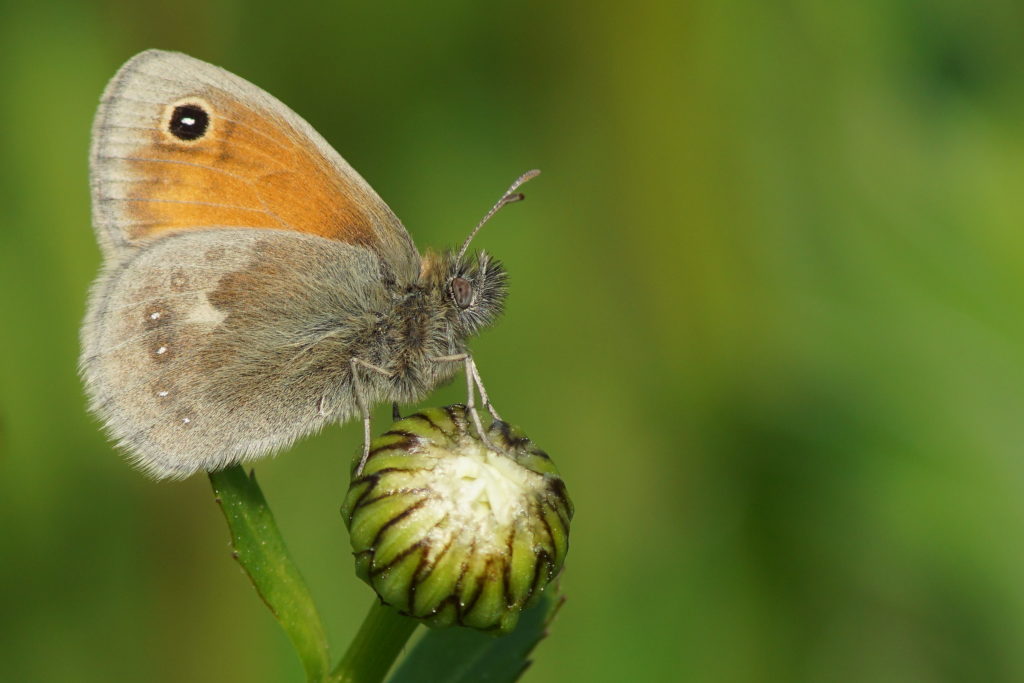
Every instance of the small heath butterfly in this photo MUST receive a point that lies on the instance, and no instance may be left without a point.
(254, 287)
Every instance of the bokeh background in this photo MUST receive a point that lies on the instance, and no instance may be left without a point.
(766, 315)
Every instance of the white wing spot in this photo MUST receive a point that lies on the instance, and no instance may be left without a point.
(163, 394)
(162, 350)
(204, 312)
(155, 315)
(186, 420)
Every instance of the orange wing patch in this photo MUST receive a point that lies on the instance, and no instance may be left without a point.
(247, 168)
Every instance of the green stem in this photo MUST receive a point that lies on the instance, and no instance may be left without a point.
(261, 551)
(372, 652)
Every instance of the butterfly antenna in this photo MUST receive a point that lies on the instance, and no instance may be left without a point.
(510, 196)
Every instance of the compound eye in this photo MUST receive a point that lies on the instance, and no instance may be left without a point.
(462, 292)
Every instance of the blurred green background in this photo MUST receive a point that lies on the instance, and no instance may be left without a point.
(766, 315)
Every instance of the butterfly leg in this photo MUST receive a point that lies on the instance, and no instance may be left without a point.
(483, 392)
(472, 384)
(357, 384)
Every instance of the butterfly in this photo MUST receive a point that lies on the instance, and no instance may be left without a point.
(255, 288)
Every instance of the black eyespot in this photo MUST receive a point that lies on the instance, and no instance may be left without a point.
(462, 292)
(189, 122)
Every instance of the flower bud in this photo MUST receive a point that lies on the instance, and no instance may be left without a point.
(449, 530)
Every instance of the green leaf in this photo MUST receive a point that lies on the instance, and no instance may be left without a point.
(261, 551)
(463, 655)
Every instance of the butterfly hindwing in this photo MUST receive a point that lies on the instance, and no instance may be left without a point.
(211, 347)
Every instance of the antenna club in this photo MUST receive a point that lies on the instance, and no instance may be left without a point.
(509, 197)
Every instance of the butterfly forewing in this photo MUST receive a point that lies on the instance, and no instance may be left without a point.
(179, 144)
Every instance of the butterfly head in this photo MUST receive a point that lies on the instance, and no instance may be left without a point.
(472, 286)
(471, 289)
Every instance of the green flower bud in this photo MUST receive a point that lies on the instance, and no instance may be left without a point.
(448, 530)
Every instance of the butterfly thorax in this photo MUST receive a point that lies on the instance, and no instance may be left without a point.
(427, 324)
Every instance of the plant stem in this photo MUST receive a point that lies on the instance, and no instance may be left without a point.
(261, 551)
(372, 652)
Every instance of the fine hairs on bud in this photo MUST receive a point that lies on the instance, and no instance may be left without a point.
(509, 197)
